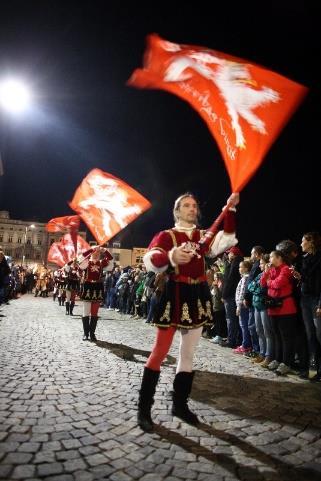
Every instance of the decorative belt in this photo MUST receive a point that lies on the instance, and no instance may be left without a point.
(87, 280)
(188, 280)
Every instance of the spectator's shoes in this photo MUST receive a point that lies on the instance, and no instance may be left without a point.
(266, 362)
(258, 359)
(273, 365)
(282, 369)
(241, 350)
(217, 340)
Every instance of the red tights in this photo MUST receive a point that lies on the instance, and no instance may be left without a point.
(164, 339)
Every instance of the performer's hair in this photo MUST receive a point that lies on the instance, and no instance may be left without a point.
(178, 202)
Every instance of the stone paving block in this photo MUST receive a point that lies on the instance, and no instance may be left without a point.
(60, 436)
(152, 477)
(88, 440)
(23, 472)
(17, 458)
(71, 443)
(184, 473)
(96, 459)
(86, 450)
(8, 446)
(83, 476)
(75, 465)
(119, 476)
(18, 437)
(5, 470)
(114, 453)
(102, 471)
(45, 457)
(66, 455)
(49, 469)
(29, 447)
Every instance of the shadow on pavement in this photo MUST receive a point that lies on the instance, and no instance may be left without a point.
(129, 353)
(264, 399)
(284, 472)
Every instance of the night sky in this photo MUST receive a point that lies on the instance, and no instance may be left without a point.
(77, 58)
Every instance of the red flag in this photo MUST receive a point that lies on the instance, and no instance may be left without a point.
(63, 224)
(68, 223)
(69, 248)
(107, 204)
(244, 105)
(63, 251)
(57, 254)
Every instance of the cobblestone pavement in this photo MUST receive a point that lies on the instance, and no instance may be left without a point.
(68, 407)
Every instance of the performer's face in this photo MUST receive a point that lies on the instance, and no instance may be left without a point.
(188, 210)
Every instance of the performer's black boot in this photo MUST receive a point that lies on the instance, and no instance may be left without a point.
(59, 300)
(182, 388)
(67, 308)
(54, 296)
(71, 308)
(85, 323)
(93, 324)
(146, 399)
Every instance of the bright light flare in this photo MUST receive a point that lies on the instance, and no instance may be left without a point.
(15, 96)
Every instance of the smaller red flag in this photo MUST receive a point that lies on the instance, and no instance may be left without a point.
(57, 254)
(63, 224)
(107, 204)
(63, 251)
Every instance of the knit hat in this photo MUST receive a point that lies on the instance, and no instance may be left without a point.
(235, 250)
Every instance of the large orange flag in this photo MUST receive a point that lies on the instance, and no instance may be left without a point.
(244, 105)
(107, 204)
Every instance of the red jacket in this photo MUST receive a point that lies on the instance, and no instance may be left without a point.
(279, 281)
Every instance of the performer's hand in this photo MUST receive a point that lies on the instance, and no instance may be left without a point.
(181, 256)
(233, 200)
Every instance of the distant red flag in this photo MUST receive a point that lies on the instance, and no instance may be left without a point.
(107, 204)
(68, 223)
(64, 251)
(63, 224)
(245, 106)
(68, 245)
(57, 254)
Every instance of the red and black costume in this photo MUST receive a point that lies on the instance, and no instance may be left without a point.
(71, 284)
(186, 301)
(185, 304)
(92, 290)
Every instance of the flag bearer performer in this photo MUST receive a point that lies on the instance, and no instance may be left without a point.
(71, 284)
(92, 291)
(60, 282)
(185, 304)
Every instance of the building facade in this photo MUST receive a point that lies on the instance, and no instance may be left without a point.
(26, 242)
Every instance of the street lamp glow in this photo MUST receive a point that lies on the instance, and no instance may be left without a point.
(31, 226)
(15, 97)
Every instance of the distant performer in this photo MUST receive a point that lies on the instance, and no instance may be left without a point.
(92, 290)
(71, 286)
